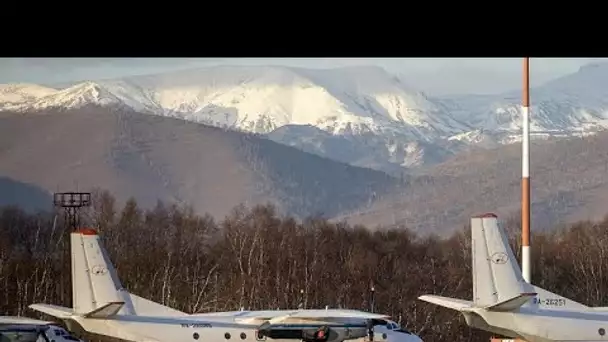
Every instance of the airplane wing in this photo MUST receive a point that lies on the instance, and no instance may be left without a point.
(338, 314)
(311, 315)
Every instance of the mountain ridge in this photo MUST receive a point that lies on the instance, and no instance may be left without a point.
(351, 105)
(361, 112)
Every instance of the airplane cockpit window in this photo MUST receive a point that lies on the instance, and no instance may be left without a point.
(394, 326)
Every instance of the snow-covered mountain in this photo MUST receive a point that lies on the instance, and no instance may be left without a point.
(364, 109)
(575, 104)
(360, 115)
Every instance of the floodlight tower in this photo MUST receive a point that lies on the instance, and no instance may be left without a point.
(71, 203)
(525, 176)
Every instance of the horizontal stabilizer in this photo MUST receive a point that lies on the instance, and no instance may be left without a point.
(105, 311)
(53, 310)
(450, 303)
(511, 304)
(61, 312)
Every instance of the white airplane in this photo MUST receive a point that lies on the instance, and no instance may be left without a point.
(102, 306)
(503, 303)
(383, 329)
(24, 329)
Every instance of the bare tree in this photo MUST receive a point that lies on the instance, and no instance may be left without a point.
(254, 258)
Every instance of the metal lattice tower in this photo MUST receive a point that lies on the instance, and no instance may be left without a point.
(71, 203)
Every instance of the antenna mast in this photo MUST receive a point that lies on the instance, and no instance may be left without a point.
(525, 175)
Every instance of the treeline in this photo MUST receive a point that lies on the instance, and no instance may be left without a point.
(254, 259)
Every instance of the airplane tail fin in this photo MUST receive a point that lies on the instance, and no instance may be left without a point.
(96, 289)
(498, 284)
(497, 281)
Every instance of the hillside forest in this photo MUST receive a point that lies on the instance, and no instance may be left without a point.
(255, 259)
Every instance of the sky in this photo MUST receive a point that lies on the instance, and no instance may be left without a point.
(435, 76)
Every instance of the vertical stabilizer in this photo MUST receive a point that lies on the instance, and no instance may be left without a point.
(95, 284)
(496, 274)
(96, 289)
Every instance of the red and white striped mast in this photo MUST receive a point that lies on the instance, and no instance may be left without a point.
(525, 176)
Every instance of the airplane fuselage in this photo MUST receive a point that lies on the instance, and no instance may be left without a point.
(189, 328)
(541, 325)
(142, 328)
(505, 304)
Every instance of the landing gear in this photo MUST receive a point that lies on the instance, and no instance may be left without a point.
(370, 330)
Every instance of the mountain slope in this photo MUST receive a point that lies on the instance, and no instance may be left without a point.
(568, 183)
(153, 157)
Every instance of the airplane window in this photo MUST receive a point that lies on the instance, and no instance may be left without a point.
(243, 336)
(227, 336)
(195, 336)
